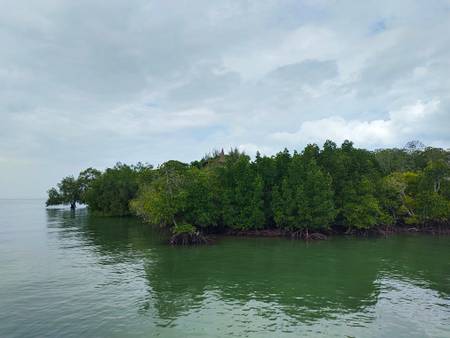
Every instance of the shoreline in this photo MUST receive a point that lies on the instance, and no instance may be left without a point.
(442, 230)
(312, 235)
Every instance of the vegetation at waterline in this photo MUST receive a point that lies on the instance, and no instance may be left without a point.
(314, 190)
(106, 193)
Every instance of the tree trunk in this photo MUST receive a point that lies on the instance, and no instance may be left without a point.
(437, 185)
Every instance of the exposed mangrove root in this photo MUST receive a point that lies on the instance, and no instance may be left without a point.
(306, 235)
(257, 233)
(433, 229)
(317, 236)
(192, 238)
(300, 234)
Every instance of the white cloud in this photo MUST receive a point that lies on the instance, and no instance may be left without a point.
(403, 124)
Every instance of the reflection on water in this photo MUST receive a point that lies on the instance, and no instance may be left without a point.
(116, 277)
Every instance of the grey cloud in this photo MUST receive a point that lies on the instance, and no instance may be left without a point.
(310, 72)
(90, 82)
(204, 85)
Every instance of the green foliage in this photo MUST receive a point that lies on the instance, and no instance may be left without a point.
(362, 214)
(163, 200)
(242, 193)
(85, 180)
(267, 173)
(69, 191)
(356, 177)
(392, 160)
(342, 187)
(434, 174)
(111, 192)
(432, 207)
(201, 203)
(305, 198)
(318, 206)
(54, 197)
(184, 229)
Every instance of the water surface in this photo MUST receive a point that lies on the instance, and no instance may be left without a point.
(65, 274)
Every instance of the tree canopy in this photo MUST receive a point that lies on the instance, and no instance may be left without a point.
(343, 187)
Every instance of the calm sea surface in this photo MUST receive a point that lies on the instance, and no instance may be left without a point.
(65, 274)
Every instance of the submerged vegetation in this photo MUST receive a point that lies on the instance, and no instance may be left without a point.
(304, 193)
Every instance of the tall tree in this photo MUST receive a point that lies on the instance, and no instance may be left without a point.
(305, 198)
(163, 201)
(241, 190)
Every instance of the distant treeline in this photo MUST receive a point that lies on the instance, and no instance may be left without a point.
(340, 187)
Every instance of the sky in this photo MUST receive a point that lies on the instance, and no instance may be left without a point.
(93, 82)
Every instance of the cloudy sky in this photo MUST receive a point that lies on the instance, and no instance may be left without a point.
(92, 82)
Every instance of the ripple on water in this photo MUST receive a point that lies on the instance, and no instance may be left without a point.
(73, 275)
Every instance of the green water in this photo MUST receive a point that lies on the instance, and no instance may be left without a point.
(72, 275)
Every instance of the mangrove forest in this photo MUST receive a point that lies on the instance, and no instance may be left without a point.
(305, 193)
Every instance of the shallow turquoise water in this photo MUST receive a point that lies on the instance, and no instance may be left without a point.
(69, 275)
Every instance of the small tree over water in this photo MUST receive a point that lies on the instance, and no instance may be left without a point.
(68, 191)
